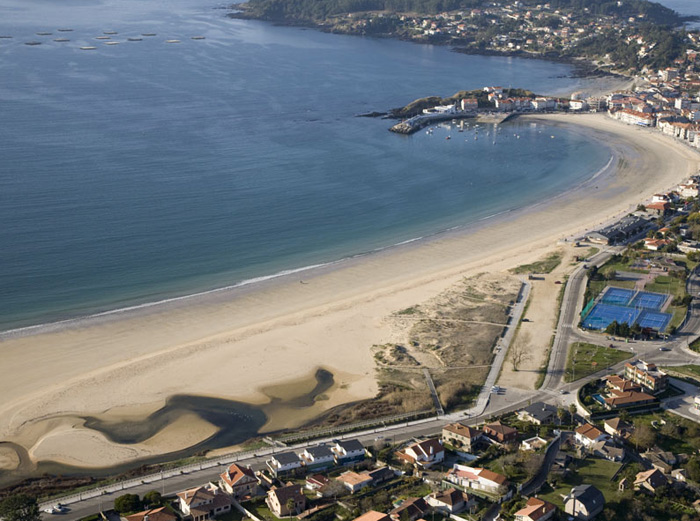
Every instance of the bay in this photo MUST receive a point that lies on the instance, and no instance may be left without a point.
(140, 171)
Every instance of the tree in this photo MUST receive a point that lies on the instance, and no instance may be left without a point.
(518, 350)
(127, 503)
(291, 506)
(153, 499)
(644, 436)
(19, 507)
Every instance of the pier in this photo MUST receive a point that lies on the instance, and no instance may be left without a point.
(414, 124)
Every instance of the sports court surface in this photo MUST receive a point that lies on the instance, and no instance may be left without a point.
(630, 306)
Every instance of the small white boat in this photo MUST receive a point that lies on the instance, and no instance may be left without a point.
(135, 39)
(102, 38)
(44, 34)
(61, 40)
(88, 48)
(172, 41)
(111, 43)
(110, 32)
(32, 43)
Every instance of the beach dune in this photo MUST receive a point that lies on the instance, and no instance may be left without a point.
(232, 344)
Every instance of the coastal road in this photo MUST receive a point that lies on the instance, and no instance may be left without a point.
(487, 405)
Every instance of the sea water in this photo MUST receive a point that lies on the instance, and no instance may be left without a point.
(147, 170)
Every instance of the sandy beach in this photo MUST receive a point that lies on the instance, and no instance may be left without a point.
(234, 344)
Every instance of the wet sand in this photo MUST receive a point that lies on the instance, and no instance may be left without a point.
(234, 344)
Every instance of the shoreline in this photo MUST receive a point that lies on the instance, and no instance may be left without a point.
(253, 284)
(236, 344)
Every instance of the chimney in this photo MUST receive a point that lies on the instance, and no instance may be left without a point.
(431, 450)
(145, 518)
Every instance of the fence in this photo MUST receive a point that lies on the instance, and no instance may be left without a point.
(100, 490)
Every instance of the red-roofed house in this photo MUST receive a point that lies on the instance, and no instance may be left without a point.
(588, 435)
(203, 502)
(154, 514)
(239, 481)
(499, 432)
(535, 510)
(424, 454)
(451, 501)
(477, 479)
(373, 515)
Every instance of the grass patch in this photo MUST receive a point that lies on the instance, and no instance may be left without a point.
(592, 251)
(590, 358)
(596, 472)
(546, 265)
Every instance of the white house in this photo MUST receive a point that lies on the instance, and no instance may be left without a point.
(354, 481)
(348, 451)
(203, 503)
(533, 443)
(477, 479)
(283, 462)
(588, 435)
(424, 454)
(319, 456)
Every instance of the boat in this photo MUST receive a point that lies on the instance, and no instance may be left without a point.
(88, 48)
(32, 43)
(64, 30)
(110, 32)
(111, 43)
(135, 39)
(172, 41)
(448, 137)
(44, 34)
(5, 37)
(148, 34)
(61, 40)
(197, 37)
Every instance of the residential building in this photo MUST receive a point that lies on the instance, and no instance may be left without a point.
(499, 432)
(355, 482)
(632, 117)
(468, 104)
(381, 475)
(205, 502)
(424, 454)
(533, 443)
(318, 457)
(680, 475)
(536, 510)
(239, 481)
(373, 515)
(414, 508)
(618, 428)
(279, 500)
(451, 501)
(588, 435)
(153, 514)
(607, 450)
(650, 480)
(651, 378)
(477, 479)
(348, 451)
(316, 482)
(539, 413)
(460, 436)
(584, 502)
(283, 463)
(620, 400)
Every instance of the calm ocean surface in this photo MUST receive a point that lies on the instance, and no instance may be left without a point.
(145, 170)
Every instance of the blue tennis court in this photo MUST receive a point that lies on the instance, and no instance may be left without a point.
(617, 296)
(625, 305)
(648, 301)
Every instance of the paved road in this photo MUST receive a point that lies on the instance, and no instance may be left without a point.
(488, 404)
